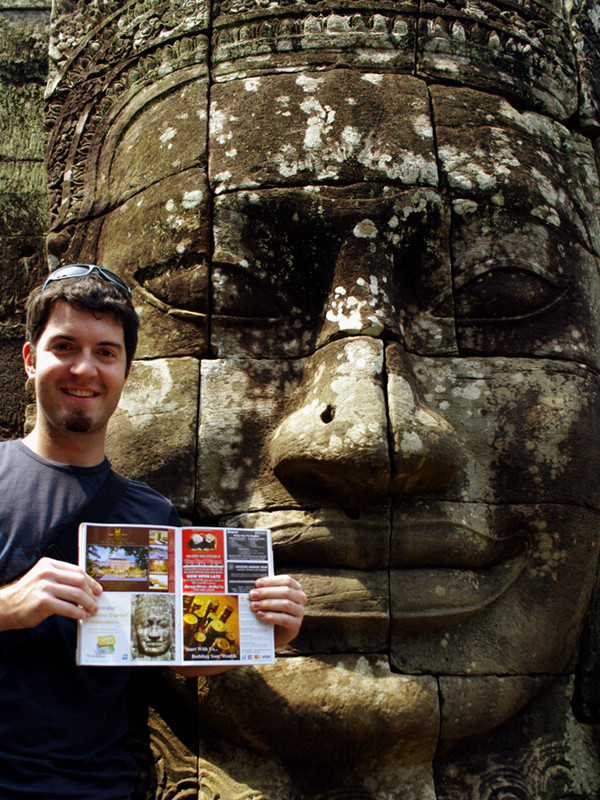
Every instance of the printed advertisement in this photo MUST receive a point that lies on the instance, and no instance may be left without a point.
(174, 596)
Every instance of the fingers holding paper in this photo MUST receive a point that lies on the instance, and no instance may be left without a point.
(49, 587)
(281, 601)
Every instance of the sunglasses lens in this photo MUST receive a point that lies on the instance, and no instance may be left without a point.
(72, 271)
(79, 270)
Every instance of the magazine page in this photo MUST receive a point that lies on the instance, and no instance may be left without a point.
(174, 596)
(136, 622)
(219, 568)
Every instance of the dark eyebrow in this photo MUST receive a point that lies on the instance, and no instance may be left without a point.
(66, 337)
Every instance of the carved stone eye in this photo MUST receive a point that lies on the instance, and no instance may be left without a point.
(238, 293)
(507, 293)
(179, 287)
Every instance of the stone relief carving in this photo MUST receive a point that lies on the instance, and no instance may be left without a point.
(372, 230)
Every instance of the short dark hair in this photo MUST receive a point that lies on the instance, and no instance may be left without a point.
(87, 293)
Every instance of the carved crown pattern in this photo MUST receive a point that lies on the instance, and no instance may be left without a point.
(535, 53)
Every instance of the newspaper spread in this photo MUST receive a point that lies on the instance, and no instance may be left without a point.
(174, 596)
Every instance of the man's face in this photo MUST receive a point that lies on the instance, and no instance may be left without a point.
(154, 631)
(79, 368)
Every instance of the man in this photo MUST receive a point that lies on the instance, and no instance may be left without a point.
(60, 724)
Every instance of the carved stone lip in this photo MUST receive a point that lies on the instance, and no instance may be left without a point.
(441, 542)
(426, 599)
(441, 571)
(328, 538)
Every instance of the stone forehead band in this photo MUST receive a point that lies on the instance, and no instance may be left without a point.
(109, 60)
(534, 53)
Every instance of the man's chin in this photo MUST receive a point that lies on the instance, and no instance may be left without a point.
(78, 424)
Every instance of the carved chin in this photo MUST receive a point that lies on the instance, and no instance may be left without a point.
(348, 709)
(353, 712)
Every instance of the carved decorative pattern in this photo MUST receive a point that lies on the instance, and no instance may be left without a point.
(104, 55)
(523, 51)
(176, 767)
(541, 771)
(379, 36)
(122, 29)
(216, 785)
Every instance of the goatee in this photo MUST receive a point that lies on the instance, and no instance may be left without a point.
(78, 424)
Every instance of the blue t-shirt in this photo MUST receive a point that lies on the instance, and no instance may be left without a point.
(60, 724)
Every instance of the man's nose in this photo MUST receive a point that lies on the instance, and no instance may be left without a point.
(83, 364)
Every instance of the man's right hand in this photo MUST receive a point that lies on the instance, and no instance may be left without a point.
(49, 587)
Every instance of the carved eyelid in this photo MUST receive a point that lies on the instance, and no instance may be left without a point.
(550, 285)
(231, 270)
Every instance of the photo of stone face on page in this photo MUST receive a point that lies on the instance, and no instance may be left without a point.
(152, 627)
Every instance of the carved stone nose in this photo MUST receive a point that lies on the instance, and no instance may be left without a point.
(425, 450)
(335, 435)
(342, 422)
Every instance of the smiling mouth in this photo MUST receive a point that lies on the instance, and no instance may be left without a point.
(79, 393)
(155, 648)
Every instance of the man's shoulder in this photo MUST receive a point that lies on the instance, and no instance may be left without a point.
(9, 444)
(11, 450)
(9, 461)
(141, 503)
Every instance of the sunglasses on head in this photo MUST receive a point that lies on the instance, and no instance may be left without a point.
(79, 270)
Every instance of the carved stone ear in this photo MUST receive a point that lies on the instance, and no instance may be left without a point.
(586, 692)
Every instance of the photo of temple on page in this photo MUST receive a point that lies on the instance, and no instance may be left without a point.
(173, 596)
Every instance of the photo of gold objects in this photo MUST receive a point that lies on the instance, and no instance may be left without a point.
(210, 627)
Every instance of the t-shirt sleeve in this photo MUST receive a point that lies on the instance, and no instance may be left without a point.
(142, 505)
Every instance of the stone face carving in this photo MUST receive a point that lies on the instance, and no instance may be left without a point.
(374, 230)
(153, 635)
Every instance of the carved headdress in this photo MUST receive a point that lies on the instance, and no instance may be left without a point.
(109, 60)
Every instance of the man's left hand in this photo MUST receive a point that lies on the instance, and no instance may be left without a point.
(279, 599)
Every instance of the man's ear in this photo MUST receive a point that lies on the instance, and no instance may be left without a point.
(29, 359)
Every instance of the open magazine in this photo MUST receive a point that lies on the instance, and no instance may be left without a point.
(174, 596)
